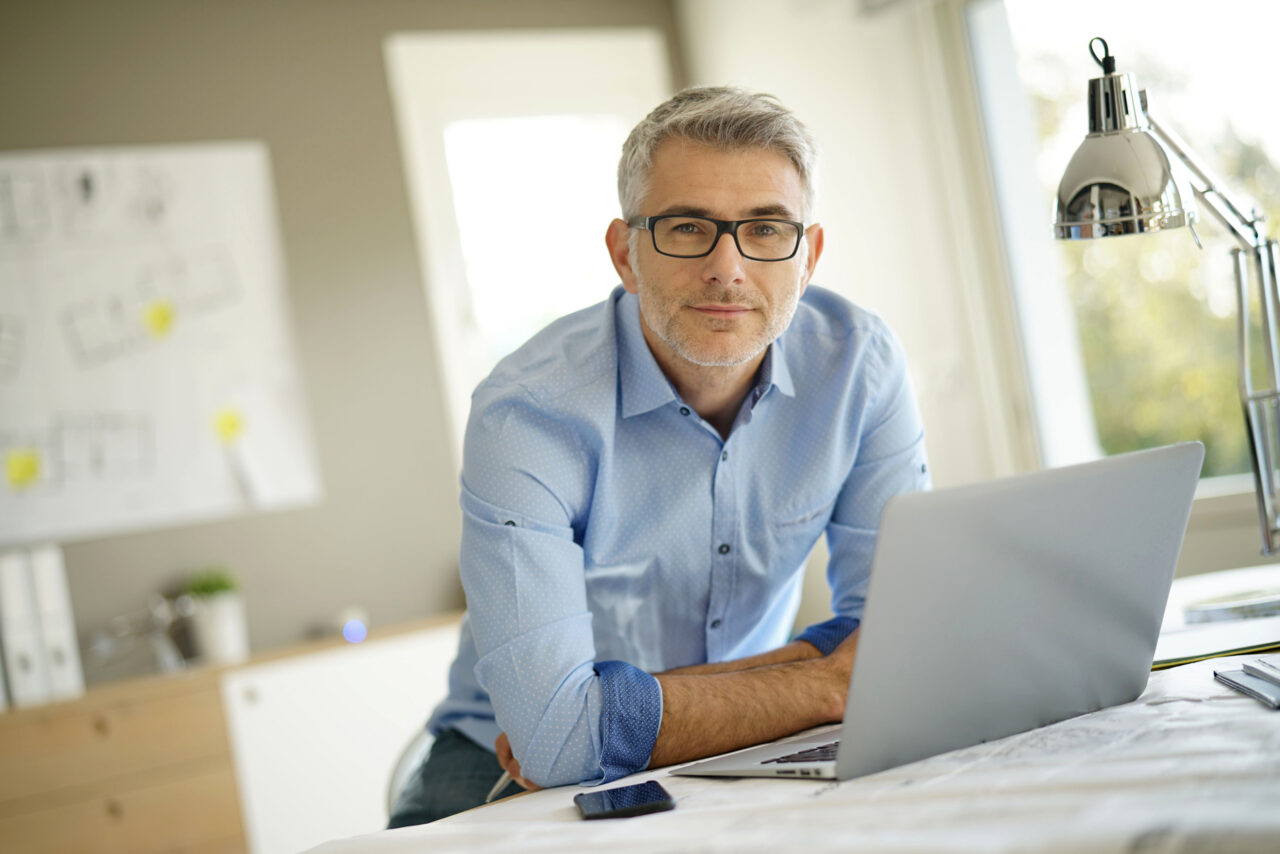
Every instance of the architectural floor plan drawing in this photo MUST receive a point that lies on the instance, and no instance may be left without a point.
(140, 306)
(142, 299)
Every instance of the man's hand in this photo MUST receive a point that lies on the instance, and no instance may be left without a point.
(508, 762)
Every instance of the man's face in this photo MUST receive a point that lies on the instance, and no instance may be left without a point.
(722, 309)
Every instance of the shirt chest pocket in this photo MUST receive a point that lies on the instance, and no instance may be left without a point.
(794, 537)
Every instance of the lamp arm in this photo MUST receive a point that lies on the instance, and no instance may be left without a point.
(1257, 261)
(1209, 190)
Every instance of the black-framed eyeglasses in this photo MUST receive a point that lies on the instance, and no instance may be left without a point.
(760, 239)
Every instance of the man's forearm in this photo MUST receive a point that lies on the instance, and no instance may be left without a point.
(705, 714)
(797, 650)
(708, 713)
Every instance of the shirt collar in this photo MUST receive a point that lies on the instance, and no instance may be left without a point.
(775, 372)
(642, 384)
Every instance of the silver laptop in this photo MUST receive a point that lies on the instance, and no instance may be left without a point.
(1001, 607)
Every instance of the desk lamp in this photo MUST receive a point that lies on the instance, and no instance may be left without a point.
(1128, 177)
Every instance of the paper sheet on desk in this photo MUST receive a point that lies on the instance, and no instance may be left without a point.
(1190, 765)
(1216, 639)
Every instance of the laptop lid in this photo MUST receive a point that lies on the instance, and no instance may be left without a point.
(1007, 605)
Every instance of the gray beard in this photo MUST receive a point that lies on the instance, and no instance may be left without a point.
(685, 349)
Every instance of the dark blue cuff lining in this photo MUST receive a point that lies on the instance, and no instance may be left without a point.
(629, 719)
(827, 636)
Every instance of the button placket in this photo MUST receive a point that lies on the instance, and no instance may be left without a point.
(723, 525)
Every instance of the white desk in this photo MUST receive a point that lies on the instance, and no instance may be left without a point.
(1188, 767)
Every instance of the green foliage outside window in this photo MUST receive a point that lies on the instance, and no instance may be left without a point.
(1157, 320)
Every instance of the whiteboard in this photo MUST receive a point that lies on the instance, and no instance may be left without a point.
(146, 370)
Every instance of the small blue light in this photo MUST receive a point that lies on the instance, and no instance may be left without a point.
(354, 631)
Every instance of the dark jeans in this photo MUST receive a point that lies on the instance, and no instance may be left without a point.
(456, 776)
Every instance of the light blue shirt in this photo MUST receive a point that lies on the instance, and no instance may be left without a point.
(610, 533)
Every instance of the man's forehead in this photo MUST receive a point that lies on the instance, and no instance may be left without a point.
(698, 179)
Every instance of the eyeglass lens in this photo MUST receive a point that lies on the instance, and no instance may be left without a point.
(690, 236)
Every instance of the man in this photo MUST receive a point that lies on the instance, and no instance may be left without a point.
(643, 480)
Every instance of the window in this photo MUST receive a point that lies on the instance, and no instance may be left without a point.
(531, 220)
(511, 143)
(1149, 322)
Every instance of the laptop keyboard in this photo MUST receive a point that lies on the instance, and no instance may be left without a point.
(821, 753)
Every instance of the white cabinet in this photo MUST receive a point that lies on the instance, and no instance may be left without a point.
(315, 737)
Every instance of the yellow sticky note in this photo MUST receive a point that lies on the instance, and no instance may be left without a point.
(22, 466)
(158, 317)
(229, 424)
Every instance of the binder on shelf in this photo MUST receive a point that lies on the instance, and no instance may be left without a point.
(24, 662)
(57, 626)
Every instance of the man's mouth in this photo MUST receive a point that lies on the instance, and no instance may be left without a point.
(720, 309)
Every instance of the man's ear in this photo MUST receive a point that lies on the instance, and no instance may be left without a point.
(618, 239)
(814, 242)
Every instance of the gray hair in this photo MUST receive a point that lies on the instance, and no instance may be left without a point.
(724, 117)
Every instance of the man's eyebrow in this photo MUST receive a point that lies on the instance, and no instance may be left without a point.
(773, 210)
(684, 210)
(778, 210)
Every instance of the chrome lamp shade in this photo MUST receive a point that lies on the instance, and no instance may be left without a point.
(1119, 183)
(1120, 180)
(1132, 175)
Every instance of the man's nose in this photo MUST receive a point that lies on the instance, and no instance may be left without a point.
(725, 261)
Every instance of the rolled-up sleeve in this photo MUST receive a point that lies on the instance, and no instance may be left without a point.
(633, 701)
(569, 718)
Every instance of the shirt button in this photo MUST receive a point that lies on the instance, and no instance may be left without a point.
(684, 410)
(724, 548)
(715, 624)
(724, 455)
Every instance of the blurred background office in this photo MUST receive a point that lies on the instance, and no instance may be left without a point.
(422, 153)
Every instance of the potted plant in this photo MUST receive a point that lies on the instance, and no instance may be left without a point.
(218, 622)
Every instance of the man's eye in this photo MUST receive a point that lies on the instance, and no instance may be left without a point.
(687, 228)
(764, 229)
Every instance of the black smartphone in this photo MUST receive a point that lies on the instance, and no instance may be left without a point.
(625, 801)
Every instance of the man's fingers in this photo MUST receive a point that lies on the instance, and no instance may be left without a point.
(507, 759)
(528, 784)
(502, 747)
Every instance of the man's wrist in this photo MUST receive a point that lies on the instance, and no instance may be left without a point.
(831, 685)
